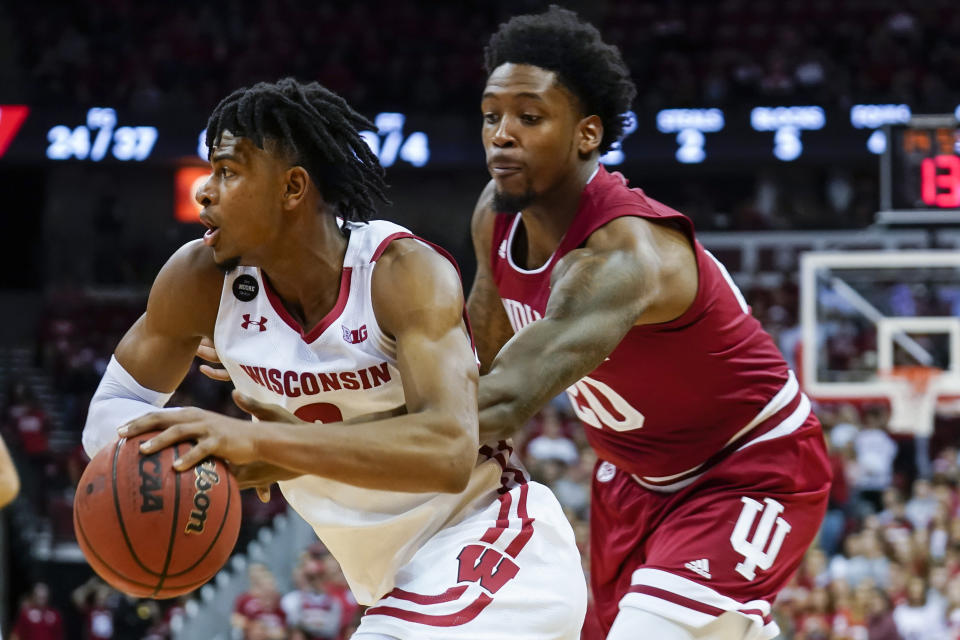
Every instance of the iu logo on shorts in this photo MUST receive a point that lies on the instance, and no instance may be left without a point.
(260, 324)
(762, 550)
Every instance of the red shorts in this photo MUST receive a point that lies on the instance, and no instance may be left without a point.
(728, 542)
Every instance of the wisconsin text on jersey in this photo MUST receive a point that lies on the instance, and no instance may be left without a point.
(296, 383)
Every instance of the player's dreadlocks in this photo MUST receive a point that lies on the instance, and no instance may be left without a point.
(318, 130)
(557, 40)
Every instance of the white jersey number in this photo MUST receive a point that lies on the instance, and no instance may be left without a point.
(596, 404)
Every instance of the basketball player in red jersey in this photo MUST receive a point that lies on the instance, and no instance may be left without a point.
(712, 477)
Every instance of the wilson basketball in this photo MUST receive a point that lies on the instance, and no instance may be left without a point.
(150, 531)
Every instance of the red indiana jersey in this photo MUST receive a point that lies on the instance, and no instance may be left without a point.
(674, 397)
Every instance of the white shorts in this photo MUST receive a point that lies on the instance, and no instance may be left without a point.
(510, 571)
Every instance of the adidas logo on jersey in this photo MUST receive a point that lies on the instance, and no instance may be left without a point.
(502, 250)
(701, 567)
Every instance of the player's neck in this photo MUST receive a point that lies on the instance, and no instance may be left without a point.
(305, 272)
(546, 221)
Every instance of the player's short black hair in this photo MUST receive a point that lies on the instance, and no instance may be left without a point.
(557, 40)
(318, 130)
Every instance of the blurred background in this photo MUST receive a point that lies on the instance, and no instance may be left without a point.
(779, 126)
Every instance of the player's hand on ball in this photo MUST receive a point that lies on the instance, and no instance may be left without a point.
(215, 434)
(208, 351)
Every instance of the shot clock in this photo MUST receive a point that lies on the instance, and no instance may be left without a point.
(920, 172)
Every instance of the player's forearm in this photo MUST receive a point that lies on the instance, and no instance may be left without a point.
(118, 399)
(541, 361)
(260, 474)
(427, 451)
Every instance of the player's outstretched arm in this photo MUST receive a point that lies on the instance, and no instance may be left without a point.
(491, 327)
(432, 447)
(630, 272)
(155, 354)
(9, 480)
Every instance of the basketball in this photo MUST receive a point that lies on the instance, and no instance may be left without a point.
(150, 531)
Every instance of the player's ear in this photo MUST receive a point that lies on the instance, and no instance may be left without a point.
(295, 183)
(590, 135)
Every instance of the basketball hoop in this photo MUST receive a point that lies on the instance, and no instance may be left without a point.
(913, 398)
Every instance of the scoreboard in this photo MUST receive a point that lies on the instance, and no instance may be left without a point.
(920, 172)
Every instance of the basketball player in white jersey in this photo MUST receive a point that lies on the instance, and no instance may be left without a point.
(321, 317)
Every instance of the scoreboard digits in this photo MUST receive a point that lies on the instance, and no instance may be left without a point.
(920, 172)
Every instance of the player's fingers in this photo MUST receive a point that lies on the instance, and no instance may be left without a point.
(195, 455)
(172, 435)
(220, 375)
(264, 493)
(262, 410)
(158, 420)
(208, 351)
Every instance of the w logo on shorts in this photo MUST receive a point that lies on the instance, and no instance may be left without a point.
(487, 566)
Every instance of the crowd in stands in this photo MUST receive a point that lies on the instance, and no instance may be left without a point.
(375, 53)
(319, 606)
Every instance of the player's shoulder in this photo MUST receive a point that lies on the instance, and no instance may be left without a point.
(412, 276)
(412, 262)
(186, 291)
(192, 267)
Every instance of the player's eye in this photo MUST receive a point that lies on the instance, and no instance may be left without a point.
(225, 172)
(529, 118)
(491, 118)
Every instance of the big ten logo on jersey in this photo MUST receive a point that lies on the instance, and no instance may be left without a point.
(760, 551)
(354, 336)
(520, 314)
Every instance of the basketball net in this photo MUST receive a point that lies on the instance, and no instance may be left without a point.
(913, 398)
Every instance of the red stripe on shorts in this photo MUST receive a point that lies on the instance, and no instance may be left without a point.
(449, 595)
(689, 603)
(463, 616)
(676, 598)
(526, 529)
(503, 520)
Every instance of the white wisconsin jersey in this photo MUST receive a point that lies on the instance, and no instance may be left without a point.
(343, 367)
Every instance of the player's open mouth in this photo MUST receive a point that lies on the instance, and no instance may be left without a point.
(210, 237)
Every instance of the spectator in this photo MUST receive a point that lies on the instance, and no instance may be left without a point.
(922, 505)
(37, 620)
(262, 603)
(32, 427)
(552, 444)
(875, 453)
(918, 619)
(880, 623)
(93, 600)
(312, 612)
